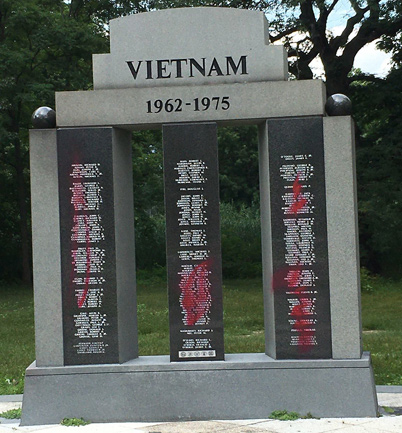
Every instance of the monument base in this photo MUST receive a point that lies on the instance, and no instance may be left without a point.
(244, 386)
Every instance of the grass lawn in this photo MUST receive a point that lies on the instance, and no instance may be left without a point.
(17, 349)
(243, 320)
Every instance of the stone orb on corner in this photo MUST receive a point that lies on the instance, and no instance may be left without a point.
(338, 105)
(44, 118)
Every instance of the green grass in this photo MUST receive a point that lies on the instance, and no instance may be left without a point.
(243, 321)
(243, 316)
(17, 345)
(153, 315)
(382, 330)
(11, 414)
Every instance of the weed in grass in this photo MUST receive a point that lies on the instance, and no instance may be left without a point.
(11, 414)
(367, 281)
(74, 422)
(389, 410)
(284, 415)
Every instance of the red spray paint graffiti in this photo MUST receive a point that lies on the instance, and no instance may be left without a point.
(195, 298)
(298, 199)
(79, 202)
(291, 279)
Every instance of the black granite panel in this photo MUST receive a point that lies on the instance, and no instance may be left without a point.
(193, 241)
(299, 238)
(88, 258)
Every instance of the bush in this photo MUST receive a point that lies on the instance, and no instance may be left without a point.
(150, 242)
(241, 241)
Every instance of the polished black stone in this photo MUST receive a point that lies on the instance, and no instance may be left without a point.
(338, 105)
(193, 242)
(44, 118)
(299, 238)
(88, 254)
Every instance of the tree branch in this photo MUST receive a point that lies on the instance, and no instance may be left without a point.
(316, 28)
(324, 13)
(282, 34)
(370, 30)
(331, 8)
(341, 40)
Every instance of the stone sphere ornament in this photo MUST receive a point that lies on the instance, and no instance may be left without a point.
(338, 105)
(44, 118)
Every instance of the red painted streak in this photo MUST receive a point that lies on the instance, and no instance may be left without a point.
(84, 295)
(298, 311)
(290, 278)
(298, 199)
(196, 298)
(81, 200)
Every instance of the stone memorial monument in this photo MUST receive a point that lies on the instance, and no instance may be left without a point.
(188, 71)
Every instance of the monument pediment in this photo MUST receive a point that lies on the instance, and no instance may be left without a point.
(188, 46)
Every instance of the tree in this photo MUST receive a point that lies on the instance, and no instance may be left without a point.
(378, 107)
(46, 46)
(42, 49)
(238, 165)
(368, 20)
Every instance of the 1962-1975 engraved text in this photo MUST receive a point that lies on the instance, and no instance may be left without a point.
(173, 105)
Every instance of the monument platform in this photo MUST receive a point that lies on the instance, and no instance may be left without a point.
(244, 386)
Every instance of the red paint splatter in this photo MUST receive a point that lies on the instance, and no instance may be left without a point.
(195, 297)
(291, 278)
(79, 202)
(81, 300)
(298, 199)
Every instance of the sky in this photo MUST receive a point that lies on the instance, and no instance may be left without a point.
(372, 60)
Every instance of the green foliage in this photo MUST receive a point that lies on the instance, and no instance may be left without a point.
(148, 199)
(389, 410)
(10, 262)
(43, 48)
(284, 415)
(367, 281)
(378, 113)
(238, 165)
(241, 241)
(238, 186)
(240, 235)
(74, 422)
(11, 414)
(243, 4)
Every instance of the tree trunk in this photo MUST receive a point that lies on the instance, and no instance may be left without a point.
(336, 73)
